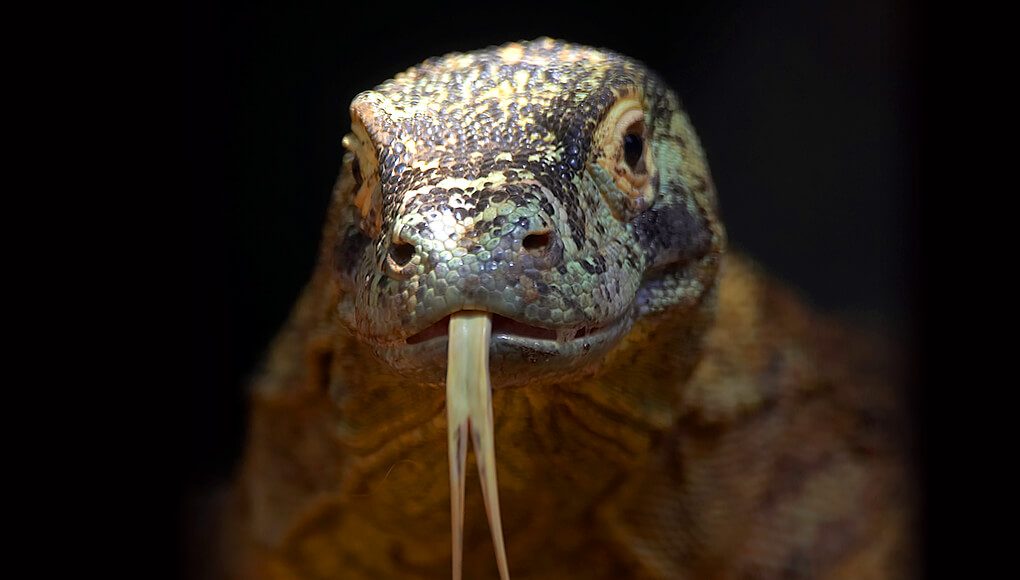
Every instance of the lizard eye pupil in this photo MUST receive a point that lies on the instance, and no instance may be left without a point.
(356, 170)
(633, 147)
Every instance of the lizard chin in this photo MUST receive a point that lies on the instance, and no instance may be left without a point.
(519, 354)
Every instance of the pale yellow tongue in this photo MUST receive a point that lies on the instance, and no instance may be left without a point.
(469, 406)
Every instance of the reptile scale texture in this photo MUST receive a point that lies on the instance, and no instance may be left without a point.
(660, 408)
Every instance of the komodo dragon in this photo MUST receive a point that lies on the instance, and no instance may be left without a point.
(659, 408)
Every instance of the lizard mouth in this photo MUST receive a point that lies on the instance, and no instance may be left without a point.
(510, 335)
(520, 353)
(508, 327)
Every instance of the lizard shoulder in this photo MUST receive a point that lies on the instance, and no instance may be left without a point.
(788, 458)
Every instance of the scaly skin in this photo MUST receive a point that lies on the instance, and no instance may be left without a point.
(662, 410)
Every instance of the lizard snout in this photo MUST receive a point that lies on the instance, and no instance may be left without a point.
(487, 240)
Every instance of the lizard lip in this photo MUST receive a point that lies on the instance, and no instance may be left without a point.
(520, 354)
(501, 325)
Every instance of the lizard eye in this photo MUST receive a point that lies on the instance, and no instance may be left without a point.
(356, 172)
(625, 155)
(365, 175)
(631, 164)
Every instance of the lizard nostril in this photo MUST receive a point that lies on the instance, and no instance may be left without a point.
(401, 253)
(536, 241)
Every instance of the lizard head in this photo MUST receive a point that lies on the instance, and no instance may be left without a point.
(557, 187)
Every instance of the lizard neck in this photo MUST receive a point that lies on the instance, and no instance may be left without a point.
(342, 448)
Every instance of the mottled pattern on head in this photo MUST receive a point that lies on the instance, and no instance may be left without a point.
(513, 180)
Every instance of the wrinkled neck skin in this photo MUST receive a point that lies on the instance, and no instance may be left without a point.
(345, 450)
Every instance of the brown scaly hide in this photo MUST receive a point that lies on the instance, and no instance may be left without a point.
(786, 460)
(728, 433)
(789, 460)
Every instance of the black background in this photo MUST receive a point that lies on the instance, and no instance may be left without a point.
(808, 112)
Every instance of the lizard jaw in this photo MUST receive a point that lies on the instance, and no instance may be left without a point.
(504, 326)
(520, 354)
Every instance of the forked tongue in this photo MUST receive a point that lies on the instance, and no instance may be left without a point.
(469, 407)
